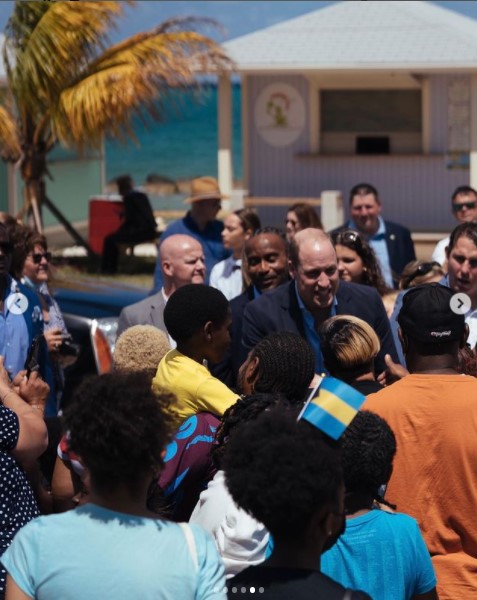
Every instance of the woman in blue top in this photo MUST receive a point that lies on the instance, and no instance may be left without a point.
(114, 547)
(380, 552)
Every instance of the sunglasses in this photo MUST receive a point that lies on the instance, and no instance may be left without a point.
(462, 205)
(424, 269)
(37, 257)
(347, 237)
(6, 247)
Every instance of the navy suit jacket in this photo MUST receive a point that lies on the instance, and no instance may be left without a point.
(228, 368)
(279, 311)
(399, 244)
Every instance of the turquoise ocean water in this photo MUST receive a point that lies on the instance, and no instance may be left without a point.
(183, 145)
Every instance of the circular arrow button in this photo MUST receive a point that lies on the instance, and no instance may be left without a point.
(17, 303)
(460, 303)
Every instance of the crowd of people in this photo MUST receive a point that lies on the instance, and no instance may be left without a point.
(193, 469)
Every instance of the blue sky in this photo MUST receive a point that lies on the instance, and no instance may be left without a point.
(237, 17)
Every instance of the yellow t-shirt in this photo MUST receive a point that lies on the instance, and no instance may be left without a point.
(196, 389)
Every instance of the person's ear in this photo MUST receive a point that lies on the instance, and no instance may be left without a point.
(167, 268)
(321, 526)
(465, 335)
(248, 234)
(291, 269)
(404, 341)
(252, 371)
(208, 331)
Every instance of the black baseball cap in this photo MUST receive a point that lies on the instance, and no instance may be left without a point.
(426, 315)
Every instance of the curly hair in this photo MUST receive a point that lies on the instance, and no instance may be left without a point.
(281, 471)
(349, 346)
(20, 236)
(119, 427)
(368, 448)
(191, 307)
(247, 408)
(372, 274)
(140, 349)
(286, 365)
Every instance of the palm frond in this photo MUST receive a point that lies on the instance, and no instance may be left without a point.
(10, 144)
(63, 37)
(128, 78)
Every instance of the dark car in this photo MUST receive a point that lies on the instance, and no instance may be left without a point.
(91, 311)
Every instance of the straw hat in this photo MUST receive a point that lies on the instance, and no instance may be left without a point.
(204, 188)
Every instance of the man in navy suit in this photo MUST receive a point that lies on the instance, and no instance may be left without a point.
(266, 265)
(391, 242)
(314, 295)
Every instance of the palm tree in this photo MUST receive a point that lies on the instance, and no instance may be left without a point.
(68, 85)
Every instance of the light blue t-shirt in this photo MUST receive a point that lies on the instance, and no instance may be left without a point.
(382, 554)
(95, 553)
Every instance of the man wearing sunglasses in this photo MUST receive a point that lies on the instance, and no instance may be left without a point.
(464, 209)
(391, 242)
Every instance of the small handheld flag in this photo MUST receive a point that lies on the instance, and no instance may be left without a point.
(331, 406)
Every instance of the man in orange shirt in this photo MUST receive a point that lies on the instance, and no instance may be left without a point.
(433, 413)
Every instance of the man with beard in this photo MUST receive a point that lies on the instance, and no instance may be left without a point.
(315, 294)
(266, 267)
(21, 316)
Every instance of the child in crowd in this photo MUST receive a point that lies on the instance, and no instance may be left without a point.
(380, 552)
(288, 476)
(114, 547)
(198, 318)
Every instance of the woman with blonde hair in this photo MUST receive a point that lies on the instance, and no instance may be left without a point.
(420, 271)
(349, 346)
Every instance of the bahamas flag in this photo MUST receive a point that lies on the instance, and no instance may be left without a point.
(332, 406)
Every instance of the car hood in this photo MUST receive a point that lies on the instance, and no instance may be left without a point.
(93, 299)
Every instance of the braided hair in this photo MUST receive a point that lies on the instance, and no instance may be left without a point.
(247, 408)
(286, 365)
(368, 449)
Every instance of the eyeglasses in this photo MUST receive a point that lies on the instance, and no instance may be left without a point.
(6, 247)
(462, 205)
(423, 269)
(37, 257)
(347, 237)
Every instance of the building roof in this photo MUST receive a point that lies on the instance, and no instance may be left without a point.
(374, 35)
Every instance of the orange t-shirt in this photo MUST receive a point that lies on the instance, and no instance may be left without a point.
(434, 479)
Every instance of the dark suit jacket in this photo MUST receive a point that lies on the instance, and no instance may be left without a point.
(279, 311)
(149, 311)
(228, 368)
(400, 246)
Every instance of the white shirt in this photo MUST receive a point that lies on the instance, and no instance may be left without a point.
(439, 254)
(226, 276)
(172, 342)
(240, 539)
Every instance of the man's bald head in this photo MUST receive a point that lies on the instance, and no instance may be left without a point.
(308, 237)
(182, 262)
